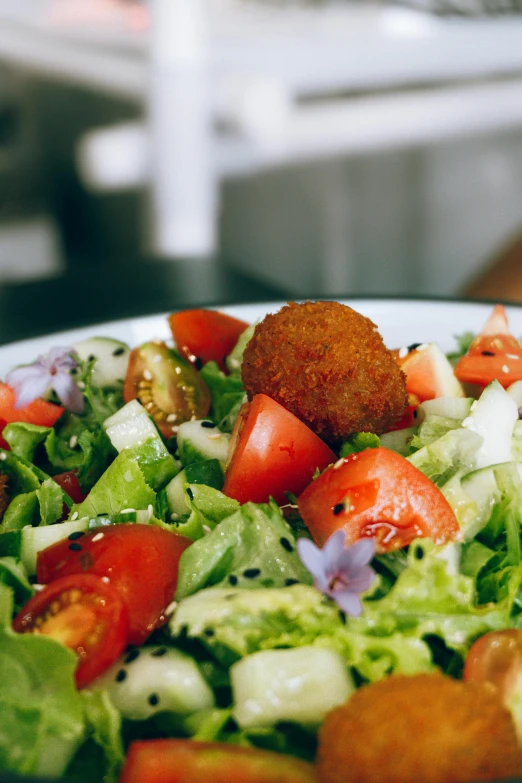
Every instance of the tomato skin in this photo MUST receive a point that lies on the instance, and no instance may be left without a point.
(275, 453)
(40, 412)
(168, 386)
(377, 493)
(494, 354)
(83, 613)
(68, 481)
(3, 443)
(140, 561)
(206, 335)
(186, 761)
(496, 657)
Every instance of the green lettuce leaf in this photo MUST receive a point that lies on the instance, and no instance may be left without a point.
(24, 438)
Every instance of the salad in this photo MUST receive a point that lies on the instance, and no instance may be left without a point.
(205, 577)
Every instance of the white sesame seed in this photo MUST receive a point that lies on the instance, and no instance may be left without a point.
(214, 436)
(81, 385)
(127, 476)
(206, 529)
(171, 417)
(98, 536)
(127, 510)
(175, 429)
(74, 516)
(174, 516)
(338, 463)
(156, 359)
(147, 375)
(105, 579)
(403, 352)
(171, 607)
(73, 440)
(505, 368)
(512, 356)
(39, 587)
(3, 455)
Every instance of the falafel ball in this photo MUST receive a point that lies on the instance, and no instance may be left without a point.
(427, 728)
(327, 364)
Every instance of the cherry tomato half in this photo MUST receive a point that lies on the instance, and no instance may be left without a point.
(206, 335)
(83, 613)
(186, 761)
(494, 354)
(40, 412)
(170, 389)
(274, 453)
(377, 493)
(141, 562)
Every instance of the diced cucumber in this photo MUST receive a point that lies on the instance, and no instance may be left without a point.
(140, 517)
(449, 407)
(112, 359)
(34, 539)
(201, 440)
(208, 472)
(398, 440)
(299, 685)
(130, 426)
(493, 417)
(482, 487)
(155, 679)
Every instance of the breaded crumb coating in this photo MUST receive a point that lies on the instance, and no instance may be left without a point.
(428, 728)
(328, 365)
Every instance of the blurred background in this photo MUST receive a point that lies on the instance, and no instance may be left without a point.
(162, 154)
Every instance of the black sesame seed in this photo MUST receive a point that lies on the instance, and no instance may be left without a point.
(159, 652)
(73, 370)
(198, 364)
(289, 582)
(209, 632)
(121, 675)
(208, 424)
(285, 543)
(91, 357)
(77, 534)
(419, 552)
(415, 413)
(342, 616)
(338, 508)
(413, 346)
(487, 353)
(153, 699)
(190, 493)
(232, 578)
(118, 351)
(75, 547)
(251, 573)
(131, 656)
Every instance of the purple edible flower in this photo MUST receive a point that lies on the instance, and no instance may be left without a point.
(339, 571)
(51, 371)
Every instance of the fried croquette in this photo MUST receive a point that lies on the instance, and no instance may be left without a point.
(328, 365)
(427, 728)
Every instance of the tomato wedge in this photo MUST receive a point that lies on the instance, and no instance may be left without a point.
(140, 561)
(206, 335)
(83, 613)
(40, 412)
(186, 761)
(68, 481)
(496, 657)
(274, 453)
(377, 493)
(494, 354)
(170, 389)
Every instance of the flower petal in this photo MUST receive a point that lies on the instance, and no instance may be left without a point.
(60, 358)
(68, 392)
(30, 389)
(333, 551)
(357, 555)
(361, 580)
(311, 557)
(348, 601)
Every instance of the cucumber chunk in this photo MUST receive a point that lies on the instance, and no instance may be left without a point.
(130, 427)
(156, 679)
(299, 685)
(208, 472)
(112, 359)
(493, 417)
(34, 539)
(201, 440)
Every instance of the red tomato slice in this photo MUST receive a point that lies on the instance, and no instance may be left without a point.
(186, 761)
(141, 562)
(83, 613)
(494, 354)
(3, 443)
(428, 373)
(206, 335)
(377, 494)
(496, 657)
(40, 412)
(275, 453)
(68, 481)
(170, 389)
